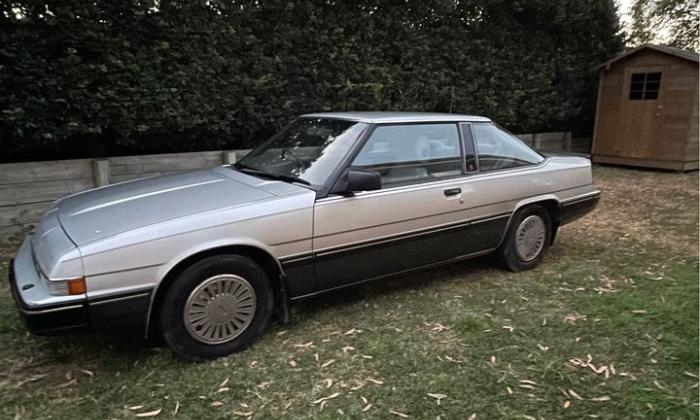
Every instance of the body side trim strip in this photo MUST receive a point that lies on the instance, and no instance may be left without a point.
(118, 298)
(50, 310)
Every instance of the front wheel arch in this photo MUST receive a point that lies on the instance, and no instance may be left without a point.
(260, 256)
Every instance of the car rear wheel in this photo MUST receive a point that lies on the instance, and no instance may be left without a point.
(215, 307)
(527, 239)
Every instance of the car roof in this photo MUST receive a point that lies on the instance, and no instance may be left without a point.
(396, 117)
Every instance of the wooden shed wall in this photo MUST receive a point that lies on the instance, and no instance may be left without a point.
(657, 133)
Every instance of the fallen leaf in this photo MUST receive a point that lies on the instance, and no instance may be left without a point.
(67, 384)
(574, 394)
(223, 389)
(243, 413)
(366, 408)
(396, 413)
(177, 407)
(438, 397)
(566, 404)
(375, 381)
(217, 404)
(150, 413)
(330, 397)
(134, 407)
(328, 363)
(265, 385)
(224, 383)
(472, 417)
(605, 398)
(438, 328)
(88, 372)
(305, 345)
(31, 379)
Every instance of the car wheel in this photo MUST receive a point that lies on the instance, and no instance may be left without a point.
(527, 239)
(215, 307)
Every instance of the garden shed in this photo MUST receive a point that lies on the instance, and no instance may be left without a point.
(647, 112)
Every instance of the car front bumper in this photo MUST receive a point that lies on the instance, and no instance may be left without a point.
(43, 313)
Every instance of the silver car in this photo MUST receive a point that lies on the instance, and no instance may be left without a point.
(205, 258)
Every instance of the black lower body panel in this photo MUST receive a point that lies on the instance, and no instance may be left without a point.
(399, 254)
(124, 314)
(572, 210)
(50, 320)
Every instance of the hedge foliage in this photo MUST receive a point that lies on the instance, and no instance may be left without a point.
(95, 77)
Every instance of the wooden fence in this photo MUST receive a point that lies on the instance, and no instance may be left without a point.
(556, 142)
(27, 189)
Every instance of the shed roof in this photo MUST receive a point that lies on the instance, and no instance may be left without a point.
(666, 49)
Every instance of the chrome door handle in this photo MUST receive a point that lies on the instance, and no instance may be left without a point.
(452, 191)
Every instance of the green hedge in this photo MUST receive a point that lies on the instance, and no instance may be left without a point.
(81, 78)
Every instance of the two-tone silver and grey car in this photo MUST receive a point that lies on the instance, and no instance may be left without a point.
(205, 258)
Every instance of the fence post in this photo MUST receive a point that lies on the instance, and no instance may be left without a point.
(229, 157)
(567, 141)
(100, 169)
(536, 141)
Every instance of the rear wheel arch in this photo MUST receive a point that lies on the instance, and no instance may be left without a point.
(268, 263)
(550, 203)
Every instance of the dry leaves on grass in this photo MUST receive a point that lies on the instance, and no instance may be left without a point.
(605, 370)
(150, 413)
(438, 397)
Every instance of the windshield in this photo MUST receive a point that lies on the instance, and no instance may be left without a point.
(306, 151)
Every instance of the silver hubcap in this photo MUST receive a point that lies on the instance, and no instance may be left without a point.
(220, 309)
(530, 237)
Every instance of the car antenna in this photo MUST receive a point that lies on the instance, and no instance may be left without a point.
(452, 97)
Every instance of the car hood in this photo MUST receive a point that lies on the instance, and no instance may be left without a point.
(103, 212)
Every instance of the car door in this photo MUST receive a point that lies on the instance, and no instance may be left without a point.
(421, 215)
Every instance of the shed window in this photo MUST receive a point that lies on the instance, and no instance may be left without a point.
(645, 86)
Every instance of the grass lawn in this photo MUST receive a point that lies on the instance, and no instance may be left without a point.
(606, 327)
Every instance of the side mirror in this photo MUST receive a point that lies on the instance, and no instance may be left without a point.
(363, 180)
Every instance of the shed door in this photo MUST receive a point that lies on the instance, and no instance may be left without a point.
(639, 127)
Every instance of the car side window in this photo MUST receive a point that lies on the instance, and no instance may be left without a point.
(404, 154)
(498, 149)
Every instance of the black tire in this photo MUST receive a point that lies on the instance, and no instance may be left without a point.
(507, 254)
(171, 317)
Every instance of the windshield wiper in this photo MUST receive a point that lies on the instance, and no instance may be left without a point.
(279, 177)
